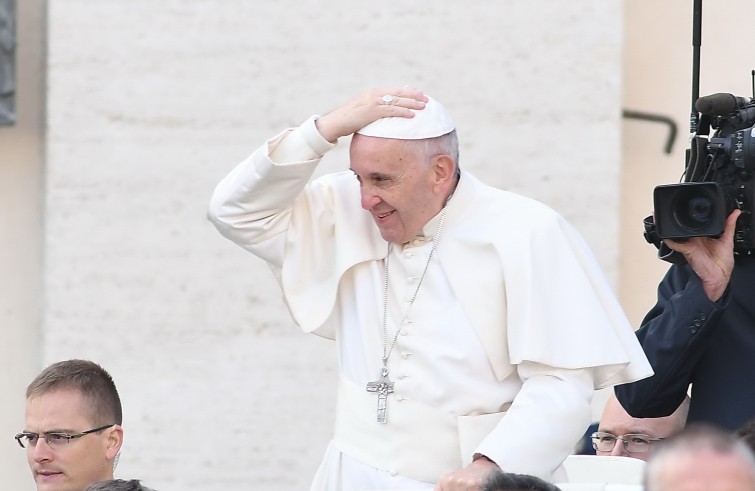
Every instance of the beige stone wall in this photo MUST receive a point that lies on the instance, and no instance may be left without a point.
(151, 103)
(21, 233)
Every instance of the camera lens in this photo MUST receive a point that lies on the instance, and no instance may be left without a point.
(700, 210)
(694, 210)
(690, 209)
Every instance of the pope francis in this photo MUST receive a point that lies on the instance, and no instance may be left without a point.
(472, 325)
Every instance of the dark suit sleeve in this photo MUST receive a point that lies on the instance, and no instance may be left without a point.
(674, 336)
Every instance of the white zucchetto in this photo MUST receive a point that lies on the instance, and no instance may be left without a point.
(430, 122)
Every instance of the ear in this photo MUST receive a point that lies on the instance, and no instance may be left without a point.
(444, 172)
(114, 442)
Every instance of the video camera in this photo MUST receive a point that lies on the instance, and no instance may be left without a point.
(719, 174)
(718, 178)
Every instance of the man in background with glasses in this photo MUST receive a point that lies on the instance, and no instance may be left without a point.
(72, 430)
(621, 434)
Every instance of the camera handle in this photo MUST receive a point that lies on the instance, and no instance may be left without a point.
(664, 252)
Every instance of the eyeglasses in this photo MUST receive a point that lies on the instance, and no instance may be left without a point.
(633, 442)
(54, 439)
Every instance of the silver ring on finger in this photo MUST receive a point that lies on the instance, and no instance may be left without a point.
(388, 99)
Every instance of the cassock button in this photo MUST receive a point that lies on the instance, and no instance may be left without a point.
(408, 254)
(692, 330)
(399, 397)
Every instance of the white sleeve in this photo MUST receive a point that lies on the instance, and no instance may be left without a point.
(546, 420)
(251, 205)
(301, 144)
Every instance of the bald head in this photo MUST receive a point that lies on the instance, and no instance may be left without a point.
(616, 421)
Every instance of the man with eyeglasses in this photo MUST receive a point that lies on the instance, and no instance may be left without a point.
(72, 430)
(621, 434)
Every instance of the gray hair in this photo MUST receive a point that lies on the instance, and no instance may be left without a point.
(118, 485)
(695, 439)
(507, 481)
(447, 144)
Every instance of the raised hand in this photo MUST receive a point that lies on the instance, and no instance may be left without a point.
(368, 107)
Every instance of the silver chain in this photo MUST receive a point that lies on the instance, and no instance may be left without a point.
(386, 349)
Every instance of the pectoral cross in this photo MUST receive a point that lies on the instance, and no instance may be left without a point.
(383, 387)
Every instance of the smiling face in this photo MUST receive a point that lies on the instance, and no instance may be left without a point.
(73, 465)
(402, 186)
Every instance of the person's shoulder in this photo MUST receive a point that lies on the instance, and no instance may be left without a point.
(503, 198)
(510, 206)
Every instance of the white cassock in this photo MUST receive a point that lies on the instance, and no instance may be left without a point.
(513, 328)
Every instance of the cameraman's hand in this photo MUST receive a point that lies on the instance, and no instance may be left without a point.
(711, 259)
(367, 108)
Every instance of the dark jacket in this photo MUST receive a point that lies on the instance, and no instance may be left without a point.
(690, 340)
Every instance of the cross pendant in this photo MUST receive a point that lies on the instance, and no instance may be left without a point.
(383, 387)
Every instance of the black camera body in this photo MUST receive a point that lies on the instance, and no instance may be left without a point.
(719, 177)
